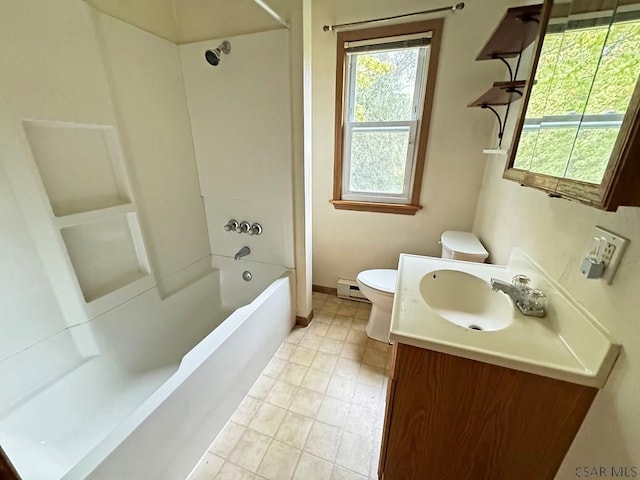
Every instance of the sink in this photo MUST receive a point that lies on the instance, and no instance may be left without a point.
(438, 300)
(466, 300)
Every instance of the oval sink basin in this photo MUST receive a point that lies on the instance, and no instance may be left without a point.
(466, 300)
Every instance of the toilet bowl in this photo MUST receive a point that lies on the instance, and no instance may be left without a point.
(379, 285)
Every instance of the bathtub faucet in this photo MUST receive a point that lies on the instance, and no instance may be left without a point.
(243, 252)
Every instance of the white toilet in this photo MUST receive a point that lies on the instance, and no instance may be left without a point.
(379, 285)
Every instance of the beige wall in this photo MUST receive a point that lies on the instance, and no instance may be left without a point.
(556, 234)
(346, 242)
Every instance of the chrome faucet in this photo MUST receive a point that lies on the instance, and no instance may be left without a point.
(243, 252)
(530, 302)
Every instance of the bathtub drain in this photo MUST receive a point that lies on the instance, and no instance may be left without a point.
(247, 276)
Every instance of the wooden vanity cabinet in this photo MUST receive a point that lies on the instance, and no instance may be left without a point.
(450, 418)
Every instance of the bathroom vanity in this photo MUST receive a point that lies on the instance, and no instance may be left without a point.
(497, 404)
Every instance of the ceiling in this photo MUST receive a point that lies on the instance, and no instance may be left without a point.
(186, 21)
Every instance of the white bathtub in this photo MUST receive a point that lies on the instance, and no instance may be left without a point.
(168, 376)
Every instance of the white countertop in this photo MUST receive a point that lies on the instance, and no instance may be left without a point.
(568, 344)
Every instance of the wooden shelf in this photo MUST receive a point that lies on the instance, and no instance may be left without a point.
(515, 32)
(502, 93)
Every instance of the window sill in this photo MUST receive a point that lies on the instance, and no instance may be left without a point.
(375, 207)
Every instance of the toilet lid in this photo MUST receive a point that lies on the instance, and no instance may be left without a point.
(463, 242)
(380, 279)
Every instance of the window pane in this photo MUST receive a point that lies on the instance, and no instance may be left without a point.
(618, 70)
(613, 87)
(574, 70)
(526, 149)
(378, 160)
(579, 117)
(552, 150)
(385, 85)
(591, 154)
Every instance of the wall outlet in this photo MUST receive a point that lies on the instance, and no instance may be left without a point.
(612, 251)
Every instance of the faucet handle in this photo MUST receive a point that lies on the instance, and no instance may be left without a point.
(536, 300)
(231, 225)
(243, 227)
(256, 229)
(521, 282)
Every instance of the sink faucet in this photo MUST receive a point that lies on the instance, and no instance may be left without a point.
(521, 298)
(243, 252)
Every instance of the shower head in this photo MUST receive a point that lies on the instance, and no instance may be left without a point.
(214, 56)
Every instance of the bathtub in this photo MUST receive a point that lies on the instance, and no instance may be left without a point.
(166, 376)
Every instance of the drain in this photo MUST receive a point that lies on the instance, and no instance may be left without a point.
(475, 327)
(246, 276)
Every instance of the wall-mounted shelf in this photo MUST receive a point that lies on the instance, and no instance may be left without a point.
(501, 93)
(517, 30)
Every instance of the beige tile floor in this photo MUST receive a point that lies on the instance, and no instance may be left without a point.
(316, 411)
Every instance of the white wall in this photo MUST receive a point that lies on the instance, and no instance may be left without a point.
(346, 242)
(241, 120)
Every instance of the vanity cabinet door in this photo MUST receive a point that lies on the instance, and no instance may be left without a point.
(391, 392)
(451, 418)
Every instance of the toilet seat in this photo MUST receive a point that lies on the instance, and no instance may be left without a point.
(383, 280)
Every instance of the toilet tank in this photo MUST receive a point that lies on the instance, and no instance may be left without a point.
(462, 246)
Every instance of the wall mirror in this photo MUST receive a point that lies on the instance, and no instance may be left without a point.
(577, 135)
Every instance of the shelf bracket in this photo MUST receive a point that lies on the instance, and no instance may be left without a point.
(500, 124)
(511, 75)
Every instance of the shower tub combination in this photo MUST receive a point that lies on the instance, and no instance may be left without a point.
(168, 376)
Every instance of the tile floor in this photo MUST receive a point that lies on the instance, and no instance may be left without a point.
(316, 411)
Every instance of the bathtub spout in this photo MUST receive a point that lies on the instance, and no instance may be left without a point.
(243, 252)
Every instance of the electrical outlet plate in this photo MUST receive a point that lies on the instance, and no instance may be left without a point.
(613, 251)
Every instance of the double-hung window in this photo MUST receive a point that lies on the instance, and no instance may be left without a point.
(384, 92)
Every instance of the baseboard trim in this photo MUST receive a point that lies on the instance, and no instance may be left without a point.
(304, 321)
(322, 289)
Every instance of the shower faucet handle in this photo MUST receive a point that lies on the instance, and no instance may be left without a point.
(256, 229)
(231, 225)
(243, 227)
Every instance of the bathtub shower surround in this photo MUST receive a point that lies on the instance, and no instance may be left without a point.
(245, 161)
(129, 345)
(160, 390)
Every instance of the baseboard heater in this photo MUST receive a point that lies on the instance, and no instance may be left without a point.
(349, 289)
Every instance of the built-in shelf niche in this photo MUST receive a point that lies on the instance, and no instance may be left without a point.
(80, 165)
(81, 169)
(106, 254)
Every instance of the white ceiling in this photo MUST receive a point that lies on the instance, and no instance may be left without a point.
(186, 21)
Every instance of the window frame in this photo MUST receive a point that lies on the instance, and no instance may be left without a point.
(434, 27)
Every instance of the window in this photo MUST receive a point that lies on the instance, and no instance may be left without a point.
(384, 91)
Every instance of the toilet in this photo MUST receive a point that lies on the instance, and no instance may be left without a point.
(379, 285)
